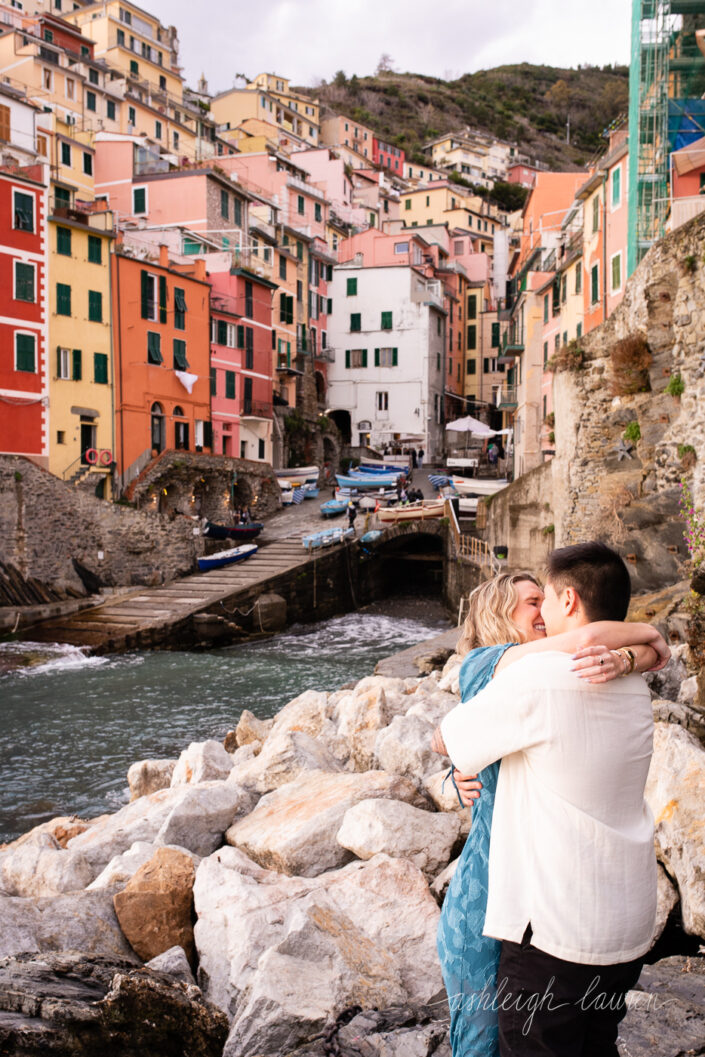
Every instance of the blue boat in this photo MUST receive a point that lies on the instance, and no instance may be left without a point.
(367, 480)
(327, 538)
(237, 554)
(372, 536)
(333, 508)
(310, 491)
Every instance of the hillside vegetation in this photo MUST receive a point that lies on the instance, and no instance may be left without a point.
(529, 105)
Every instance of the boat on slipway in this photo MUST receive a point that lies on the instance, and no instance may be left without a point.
(298, 475)
(478, 485)
(333, 507)
(327, 538)
(242, 532)
(229, 557)
(366, 481)
(418, 511)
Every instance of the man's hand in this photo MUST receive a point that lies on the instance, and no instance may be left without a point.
(437, 743)
(468, 787)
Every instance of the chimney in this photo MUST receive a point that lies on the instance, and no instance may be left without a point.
(163, 256)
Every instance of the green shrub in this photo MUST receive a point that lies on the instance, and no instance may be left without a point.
(569, 357)
(676, 385)
(18, 476)
(548, 530)
(632, 432)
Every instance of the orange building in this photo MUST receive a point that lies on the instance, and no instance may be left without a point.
(162, 387)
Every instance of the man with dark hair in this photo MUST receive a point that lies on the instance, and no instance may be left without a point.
(599, 576)
(572, 872)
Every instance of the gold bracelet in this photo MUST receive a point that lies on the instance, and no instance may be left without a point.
(629, 658)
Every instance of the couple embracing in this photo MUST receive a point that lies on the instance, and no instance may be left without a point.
(552, 906)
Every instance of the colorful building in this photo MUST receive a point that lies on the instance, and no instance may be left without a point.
(24, 367)
(162, 359)
(387, 156)
(82, 438)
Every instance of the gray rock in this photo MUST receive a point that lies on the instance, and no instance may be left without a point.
(404, 832)
(294, 828)
(284, 956)
(82, 921)
(72, 1003)
(668, 682)
(146, 776)
(674, 792)
(666, 902)
(404, 747)
(175, 963)
(283, 757)
(252, 731)
(202, 761)
(666, 1013)
(198, 821)
(440, 884)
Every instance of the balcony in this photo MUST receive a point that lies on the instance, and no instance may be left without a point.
(256, 409)
(325, 355)
(89, 214)
(506, 398)
(513, 341)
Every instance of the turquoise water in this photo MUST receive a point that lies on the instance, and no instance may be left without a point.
(72, 724)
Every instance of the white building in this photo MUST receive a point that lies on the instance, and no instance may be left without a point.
(388, 332)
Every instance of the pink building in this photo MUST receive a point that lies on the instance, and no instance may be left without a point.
(522, 173)
(388, 156)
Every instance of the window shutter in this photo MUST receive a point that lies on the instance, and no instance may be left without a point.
(162, 298)
(330, 305)
(26, 348)
(240, 336)
(376, 357)
(495, 335)
(76, 374)
(154, 347)
(100, 368)
(145, 295)
(58, 361)
(364, 357)
(395, 358)
(347, 357)
(207, 434)
(180, 361)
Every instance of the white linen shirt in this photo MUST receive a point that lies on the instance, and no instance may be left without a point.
(572, 845)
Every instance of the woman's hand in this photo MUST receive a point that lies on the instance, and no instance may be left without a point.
(663, 650)
(597, 664)
(468, 787)
(437, 743)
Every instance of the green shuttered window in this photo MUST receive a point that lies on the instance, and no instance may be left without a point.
(63, 299)
(26, 353)
(100, 368)
(154, 347)
(180, 361)
(95, 306)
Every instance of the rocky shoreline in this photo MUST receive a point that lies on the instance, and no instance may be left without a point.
(278, 893)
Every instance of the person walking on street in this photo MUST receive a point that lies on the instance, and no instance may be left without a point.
(420, 457)
(352, 514)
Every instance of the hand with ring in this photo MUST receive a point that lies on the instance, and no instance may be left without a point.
(597, 664)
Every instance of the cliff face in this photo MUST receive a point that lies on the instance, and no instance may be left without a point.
(626, 488)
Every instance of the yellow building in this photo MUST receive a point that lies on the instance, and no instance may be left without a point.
(445, 204)
(81, 441)
(134, 42)
(295, 118)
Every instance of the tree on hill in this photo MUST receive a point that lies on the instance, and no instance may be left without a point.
(385, 64)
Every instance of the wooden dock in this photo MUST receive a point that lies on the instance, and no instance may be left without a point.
(153, 616)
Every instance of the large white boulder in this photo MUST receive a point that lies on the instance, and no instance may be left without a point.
(360, 715)
(433, 707)
(41, 867)
(285, 754)
(202, 761)
(146, 776)
(194, 817)
(450, 677)
(294, 828)
(252, 731)
(404, 747)
(307, 712)
(284, 956)
(404, 832)
(674, 791)
(80, 921)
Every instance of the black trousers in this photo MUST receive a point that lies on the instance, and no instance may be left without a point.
(554, 1008)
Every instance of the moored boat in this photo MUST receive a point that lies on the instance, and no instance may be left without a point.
(424, 508)
(366, 481)
(241, 532)
(333, 507)
(327, 538)
(236, 554)
(298, 475)
(478, 485)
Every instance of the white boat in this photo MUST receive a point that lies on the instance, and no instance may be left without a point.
(298, 475)
(287, 496)
(419, 511)
(478, 485)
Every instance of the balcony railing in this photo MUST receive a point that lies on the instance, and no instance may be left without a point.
(326, 355)
(256, 409)
(513, 340)
(88, 213)
(506, 398)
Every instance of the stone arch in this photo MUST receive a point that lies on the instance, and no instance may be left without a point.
(343, 421)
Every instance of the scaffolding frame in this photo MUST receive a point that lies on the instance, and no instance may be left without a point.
(666, 78)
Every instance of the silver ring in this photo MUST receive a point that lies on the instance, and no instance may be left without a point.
(602, 660)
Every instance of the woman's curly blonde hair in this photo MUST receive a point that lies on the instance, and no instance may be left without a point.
(490, 607)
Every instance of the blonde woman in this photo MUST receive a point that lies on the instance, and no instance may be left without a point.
(503, 623)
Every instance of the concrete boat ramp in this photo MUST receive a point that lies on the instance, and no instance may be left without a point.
(202, 607)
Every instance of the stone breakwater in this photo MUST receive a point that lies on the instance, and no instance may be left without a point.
(279, 893)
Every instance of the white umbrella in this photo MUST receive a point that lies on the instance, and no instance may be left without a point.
(471, 425)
